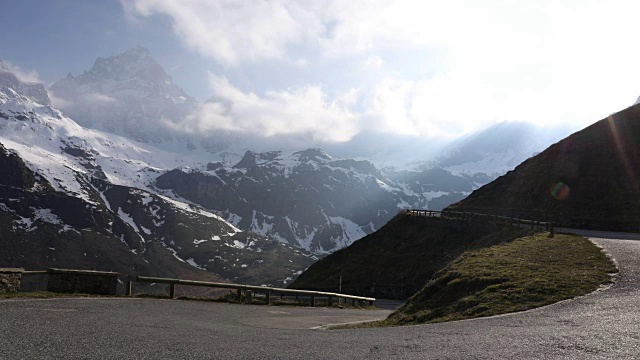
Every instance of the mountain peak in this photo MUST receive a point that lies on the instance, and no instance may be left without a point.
(247, 161)
(251, 158)
(136, 62)
(314, 154)
(118, 89)
(138, 50)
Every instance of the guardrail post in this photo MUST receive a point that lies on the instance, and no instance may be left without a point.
(370, 302)
(247, 296)
(313, 300)
(239, 295)
(267, 297)
(330, 301)
(128, 287)
(552, 231)
(353, 302)
(172, 290)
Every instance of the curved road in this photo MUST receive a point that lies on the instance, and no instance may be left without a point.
(604, 324)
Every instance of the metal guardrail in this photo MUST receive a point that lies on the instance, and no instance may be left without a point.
(247, 290)
(534, 224)
(35, 272)
(427, 213)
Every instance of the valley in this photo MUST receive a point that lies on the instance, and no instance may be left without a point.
(319, 179)
(217, 209)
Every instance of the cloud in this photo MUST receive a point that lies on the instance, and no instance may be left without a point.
(99, 98)
(59, 102)
(394, 107)
(95, 100)
(233, 31)
(30, 77)
(303, 112)
(373, 63)
(429, 68)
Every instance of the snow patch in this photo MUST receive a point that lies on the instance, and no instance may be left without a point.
(129, 220)
(192, 262)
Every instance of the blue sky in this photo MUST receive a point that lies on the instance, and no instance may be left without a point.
(429, 68)
(62, 36)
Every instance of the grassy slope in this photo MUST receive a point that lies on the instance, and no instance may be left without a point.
(406, 252)
(528, 272)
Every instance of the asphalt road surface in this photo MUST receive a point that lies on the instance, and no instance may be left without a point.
(601, 325)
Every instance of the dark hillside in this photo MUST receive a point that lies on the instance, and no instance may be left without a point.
(589, 180)
(400, 258)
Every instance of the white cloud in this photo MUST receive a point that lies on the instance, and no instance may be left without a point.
(59, 102)
(302, 112)
(30, 77)
(233, 31)
(100, 98)
(96, 100)
(373, 63)
(545, 61)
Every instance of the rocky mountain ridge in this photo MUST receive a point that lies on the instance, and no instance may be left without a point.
(304, 198)
(309, 199)
(70, 185)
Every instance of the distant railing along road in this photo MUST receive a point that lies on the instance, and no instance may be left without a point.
(473, 216)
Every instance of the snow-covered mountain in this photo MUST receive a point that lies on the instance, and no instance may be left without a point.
(129, 94)
(498, 148)
(303, 198)
(309, 199)
(63, 184)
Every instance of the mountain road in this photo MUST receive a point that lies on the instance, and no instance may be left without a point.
(603, 324)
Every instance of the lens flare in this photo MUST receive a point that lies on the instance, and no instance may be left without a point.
(620, 145)
(560, 191)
